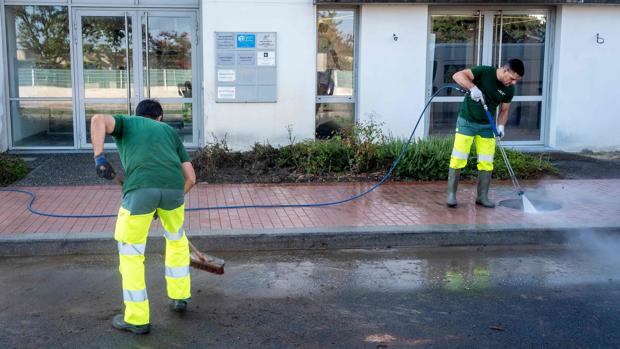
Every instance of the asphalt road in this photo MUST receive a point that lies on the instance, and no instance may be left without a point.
(519, 297)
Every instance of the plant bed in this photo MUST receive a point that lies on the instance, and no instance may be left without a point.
(12, 169)
(364, 155)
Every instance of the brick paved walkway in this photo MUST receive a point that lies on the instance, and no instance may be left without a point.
(402, 204)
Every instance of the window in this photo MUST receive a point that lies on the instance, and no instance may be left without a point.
(40, 85)
(335, 80)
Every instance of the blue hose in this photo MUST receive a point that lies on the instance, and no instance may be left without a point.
(321, 204)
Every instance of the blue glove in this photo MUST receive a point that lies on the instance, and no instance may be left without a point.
(103, 167)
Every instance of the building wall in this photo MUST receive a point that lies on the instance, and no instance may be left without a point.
(4, 135)
(244, 124)
(585, 93)
(392, 73)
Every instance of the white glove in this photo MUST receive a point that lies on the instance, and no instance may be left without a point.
(476, 94)
(500, 130)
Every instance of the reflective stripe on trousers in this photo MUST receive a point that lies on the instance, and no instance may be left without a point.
(485, 149)
(178, 281)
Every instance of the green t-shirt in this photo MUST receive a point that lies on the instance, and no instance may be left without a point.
(151, 153)
(494, 92)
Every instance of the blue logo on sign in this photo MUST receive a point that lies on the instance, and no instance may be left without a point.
(246, 40)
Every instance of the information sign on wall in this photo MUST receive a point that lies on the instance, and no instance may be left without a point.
(246, 67)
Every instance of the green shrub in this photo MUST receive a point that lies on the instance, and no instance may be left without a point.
(319, 157)
(364, 150)
(429, 159)
(365, 141)
(524, 165)
(424, 160)
(12, 168)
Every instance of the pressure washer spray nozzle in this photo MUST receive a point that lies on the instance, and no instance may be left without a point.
(521, 192)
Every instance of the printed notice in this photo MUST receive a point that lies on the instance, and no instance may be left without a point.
(225, 58)
(266, 58)
(245, 67)
(225, 40)
(226, 75)
(246, 40)
(246, 58)
(266, 41)
(226, 92)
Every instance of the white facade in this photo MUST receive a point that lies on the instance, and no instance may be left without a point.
(243, 124)
(390, 77)
(585, 92)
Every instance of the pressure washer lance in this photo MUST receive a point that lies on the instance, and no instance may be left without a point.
(197, 259)
(528, 207)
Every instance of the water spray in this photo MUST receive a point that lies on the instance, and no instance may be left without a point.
(528, 207)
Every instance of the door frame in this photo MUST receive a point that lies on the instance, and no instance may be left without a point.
(81, 100)
(488, 13)
(137, 60)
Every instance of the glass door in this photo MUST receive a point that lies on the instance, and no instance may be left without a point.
(523, 36)
(111, 44)
(168, 61)
(454, 44)
(106, 75)
(461, 39)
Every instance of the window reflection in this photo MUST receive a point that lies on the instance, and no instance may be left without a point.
(333, 119)
(39, 59)
(104, 50)
(42, 123)
(335, 53)
(523, 37)
(455, 42)
(169, 55)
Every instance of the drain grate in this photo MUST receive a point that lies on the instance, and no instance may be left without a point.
(538, 204)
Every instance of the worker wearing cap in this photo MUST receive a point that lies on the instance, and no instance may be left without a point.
(495, 87)
(158, 174)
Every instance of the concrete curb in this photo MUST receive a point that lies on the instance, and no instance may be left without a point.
(314, 238)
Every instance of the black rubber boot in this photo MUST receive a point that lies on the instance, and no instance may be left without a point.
(178, 305)
(484, 182)
(118, 322)
(453, 184)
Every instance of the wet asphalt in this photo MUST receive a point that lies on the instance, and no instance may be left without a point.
(517, 297)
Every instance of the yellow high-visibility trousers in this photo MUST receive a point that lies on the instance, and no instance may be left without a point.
(132, 225)
(485, 150)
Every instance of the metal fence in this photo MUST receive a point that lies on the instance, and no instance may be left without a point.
(104, 78)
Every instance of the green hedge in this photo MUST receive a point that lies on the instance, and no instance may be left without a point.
(424, 160)
(361, 153)
(12, 168)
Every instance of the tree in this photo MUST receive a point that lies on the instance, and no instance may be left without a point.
(43, 34)
(335, 43)
(103, 42)
(170, 49)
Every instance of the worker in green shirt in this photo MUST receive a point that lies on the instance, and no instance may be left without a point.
(495, 87)
(158, 174)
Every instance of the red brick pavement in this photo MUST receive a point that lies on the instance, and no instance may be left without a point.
(583, 201)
